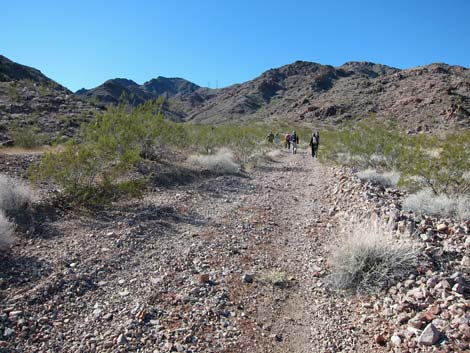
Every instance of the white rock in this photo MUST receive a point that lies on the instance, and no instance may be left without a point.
(396, 340)
(465, 261)
(429, 336)
(121, 339)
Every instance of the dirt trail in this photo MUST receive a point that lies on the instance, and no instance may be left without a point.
(303, 317)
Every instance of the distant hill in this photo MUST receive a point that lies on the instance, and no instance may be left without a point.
(28, 98)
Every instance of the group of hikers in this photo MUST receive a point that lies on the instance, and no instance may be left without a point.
(293, 140)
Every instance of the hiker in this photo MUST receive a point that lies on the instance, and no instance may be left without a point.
(314, 143)
(294, 140)
(288, 137)
(276, 139)
(271, 137)
(317, 135)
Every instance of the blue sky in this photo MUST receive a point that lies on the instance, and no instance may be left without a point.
(216, 42)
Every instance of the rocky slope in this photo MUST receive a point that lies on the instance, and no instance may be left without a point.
(29, 98)
(421, 98)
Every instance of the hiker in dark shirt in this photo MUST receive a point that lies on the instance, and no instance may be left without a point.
(314, 141)
(271, 137)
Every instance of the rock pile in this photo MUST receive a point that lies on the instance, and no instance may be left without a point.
(431, 306)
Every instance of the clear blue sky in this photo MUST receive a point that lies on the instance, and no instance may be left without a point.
(83, 43)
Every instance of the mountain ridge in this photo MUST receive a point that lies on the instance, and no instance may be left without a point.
(423, 98)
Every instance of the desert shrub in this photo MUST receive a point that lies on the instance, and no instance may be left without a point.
(368, 259)
(27, 137)
(6, 232)
(102, 166)
(440, 164)
(274, 278)
(426, 202)
(368, 144)
(386, 179)
(221, 162)
(463, 208)
(14, 194)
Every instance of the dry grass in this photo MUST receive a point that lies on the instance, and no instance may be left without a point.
(274, 278)
(386, 179)
(28, 151)
(367, 259)
(6, 232)
(14, 194)
(222, 162)
(425, 202)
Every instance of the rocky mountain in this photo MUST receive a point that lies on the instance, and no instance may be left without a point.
(420, 99)
(28, 98)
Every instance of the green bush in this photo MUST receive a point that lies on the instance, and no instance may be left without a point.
(101, 167)
(27, 137)
(422, 160)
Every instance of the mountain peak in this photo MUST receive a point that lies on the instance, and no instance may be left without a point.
(367, 68)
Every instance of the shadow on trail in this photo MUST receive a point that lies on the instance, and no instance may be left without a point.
(170, 175)
(18, 270)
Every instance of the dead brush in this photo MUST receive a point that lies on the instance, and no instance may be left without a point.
(6, 232)
(367, 258)
(14, 194)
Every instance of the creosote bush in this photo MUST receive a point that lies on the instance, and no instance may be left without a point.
(14, 194)
(368, 259)
(27, 137)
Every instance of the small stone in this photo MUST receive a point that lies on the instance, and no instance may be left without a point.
(444, 284)
(248, 278)
(124, 293)
(380, 339)
(403, 318)
(396, 340)
(415, 323)
(442, 227)
(204, 278)
(465, 261)
(121, 339)
(15, 313)
(429, 336)
(458, 288)
(8, 332)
